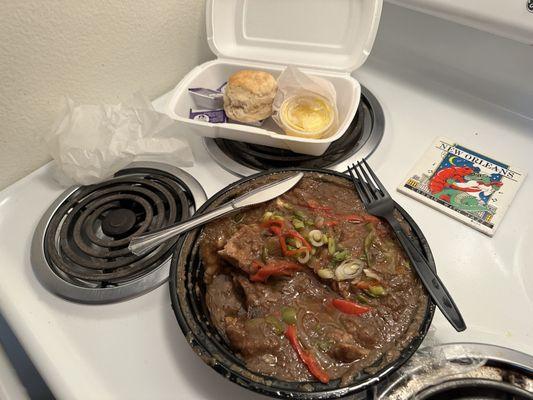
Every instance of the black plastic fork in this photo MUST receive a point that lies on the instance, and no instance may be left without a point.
(379, 203)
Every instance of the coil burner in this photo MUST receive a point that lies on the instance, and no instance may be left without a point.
(80, 249)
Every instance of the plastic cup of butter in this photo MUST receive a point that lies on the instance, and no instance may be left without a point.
(307, 115)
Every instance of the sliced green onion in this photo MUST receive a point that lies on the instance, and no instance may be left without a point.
(264, 254)
(298, 224)
(300, 215)
(297, 243)
(313, 251)
(283, 204)
(361, 298)
(277, 218)
(325, 273)
(349, 269)
(315, 237)
(341, 255)
(376, 290)
(369, 240)
(331, 246)
(304, 257)
(288, 314)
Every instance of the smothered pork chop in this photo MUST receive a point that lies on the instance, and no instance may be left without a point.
(310, 286)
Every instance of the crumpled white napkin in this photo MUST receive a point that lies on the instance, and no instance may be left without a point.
(89, 143)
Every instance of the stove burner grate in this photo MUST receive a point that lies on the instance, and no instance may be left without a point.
(76, 240)
(82, 244)
(362, 137)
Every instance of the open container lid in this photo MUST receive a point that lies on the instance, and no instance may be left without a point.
(325, 34)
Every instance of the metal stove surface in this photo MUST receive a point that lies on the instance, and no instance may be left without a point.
(361, 139)
(80, 248)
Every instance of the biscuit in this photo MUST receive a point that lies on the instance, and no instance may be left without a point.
(249, 95)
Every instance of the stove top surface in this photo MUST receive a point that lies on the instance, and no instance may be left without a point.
(80, 249)
(134, 349)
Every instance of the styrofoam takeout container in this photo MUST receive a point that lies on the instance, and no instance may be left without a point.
(325, 38)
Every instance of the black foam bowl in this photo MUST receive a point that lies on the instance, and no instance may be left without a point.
(187, 292)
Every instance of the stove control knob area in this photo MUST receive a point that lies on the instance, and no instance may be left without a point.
(530, 6)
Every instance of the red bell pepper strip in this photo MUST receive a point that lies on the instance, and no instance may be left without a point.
(295, 251)
(282, 244)
(257, 265)
(313, 205)
(353, 218)
(276, 230)
(362, 285)
(371, 218)
(273, 268)
(308, 359)
(336, 219)
(296, 235)
(349, 307)
(271, 223)
(274, 225)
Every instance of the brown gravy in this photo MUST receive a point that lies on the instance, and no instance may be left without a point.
(257, 286)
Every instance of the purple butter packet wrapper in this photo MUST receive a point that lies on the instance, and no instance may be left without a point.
(213, 116)
(208, 99)
(212, 94)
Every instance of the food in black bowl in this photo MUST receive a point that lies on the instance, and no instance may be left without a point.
(306, 296)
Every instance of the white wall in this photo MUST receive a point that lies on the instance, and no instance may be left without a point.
(93, 51)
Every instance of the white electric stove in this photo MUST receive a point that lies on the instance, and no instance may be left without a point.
(134, 349)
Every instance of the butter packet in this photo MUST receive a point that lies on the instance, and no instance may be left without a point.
(213, 116)
(211, 99)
